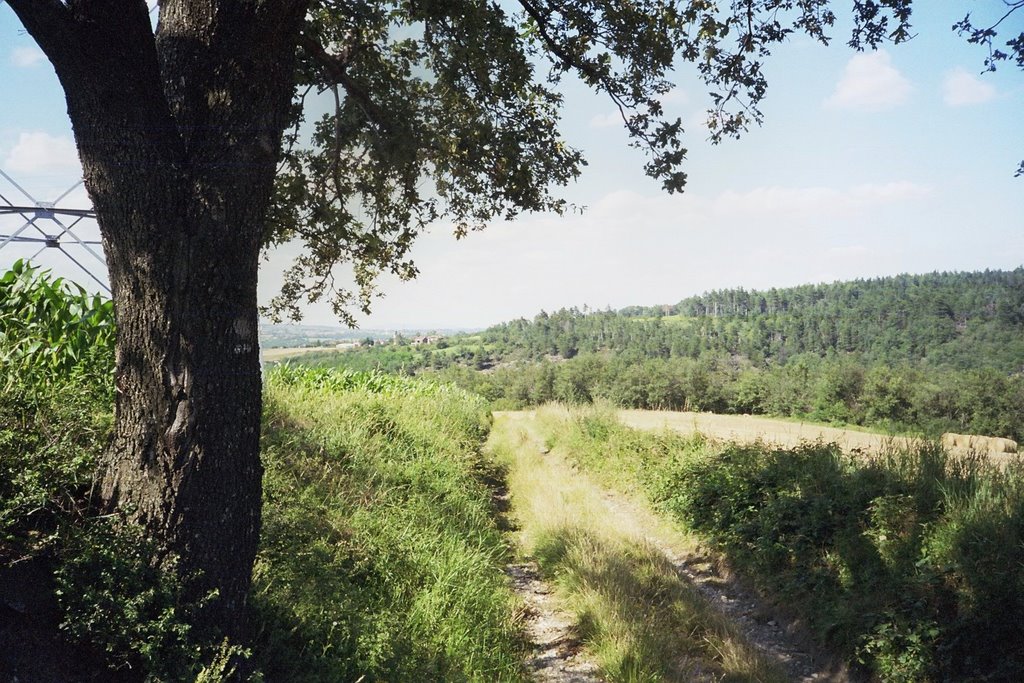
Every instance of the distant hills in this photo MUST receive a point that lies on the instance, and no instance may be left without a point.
(956, 320)
(294, 335)
(950, 320)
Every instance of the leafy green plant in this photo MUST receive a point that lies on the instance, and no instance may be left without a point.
(50, 438)
(902, 653)
(114, 600)
(50, 327)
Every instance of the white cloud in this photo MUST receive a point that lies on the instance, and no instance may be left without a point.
(25, 57)
(827, 202)
(675, 96)
(870, 83)
(897, 191)
(631, 247)
(608, 120)
(961, 88)
(698, 122)
(39, 152)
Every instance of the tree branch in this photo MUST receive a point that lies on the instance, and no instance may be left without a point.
(336, 68)
(47, 21)
(556, 49)
(580, 65)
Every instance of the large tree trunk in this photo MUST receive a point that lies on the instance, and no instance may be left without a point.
(178, 135)
(184, 461)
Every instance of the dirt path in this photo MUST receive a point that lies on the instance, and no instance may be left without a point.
(763, 629)
(750, 428)
(558, 657)
(556, 654)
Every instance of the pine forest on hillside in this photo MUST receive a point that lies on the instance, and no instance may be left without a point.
(943, 319)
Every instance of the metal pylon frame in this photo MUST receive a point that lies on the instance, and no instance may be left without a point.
(64, 220)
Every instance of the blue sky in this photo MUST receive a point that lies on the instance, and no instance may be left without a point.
(868, 164)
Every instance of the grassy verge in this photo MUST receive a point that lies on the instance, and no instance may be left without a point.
(380, 558)
(911, 565)
(639, 620)
(380, 555)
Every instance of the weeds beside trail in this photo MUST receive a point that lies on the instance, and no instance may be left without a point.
(635, 616)
(909, 565)
(380, 557)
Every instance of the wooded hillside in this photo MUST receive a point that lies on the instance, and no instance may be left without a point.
(918, 353)
(959, 320)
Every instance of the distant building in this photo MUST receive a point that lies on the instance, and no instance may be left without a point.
(429, 339)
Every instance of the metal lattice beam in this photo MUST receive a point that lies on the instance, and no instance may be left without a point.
(61, 221)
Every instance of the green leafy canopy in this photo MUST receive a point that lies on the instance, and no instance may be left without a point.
(449, 109)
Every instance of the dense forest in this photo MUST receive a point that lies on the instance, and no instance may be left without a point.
(920, 353)
(960, 320)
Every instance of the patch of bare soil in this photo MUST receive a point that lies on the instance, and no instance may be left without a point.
(556, 655)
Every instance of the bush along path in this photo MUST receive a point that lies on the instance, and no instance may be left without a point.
(907, 565)
(643, 604)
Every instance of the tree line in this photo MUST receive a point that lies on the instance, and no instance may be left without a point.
(836, 389)
(963, 320)
(919, 353)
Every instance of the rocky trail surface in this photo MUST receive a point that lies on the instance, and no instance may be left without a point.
(556, 654)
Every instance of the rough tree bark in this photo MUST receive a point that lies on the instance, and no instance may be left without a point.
(179, 135)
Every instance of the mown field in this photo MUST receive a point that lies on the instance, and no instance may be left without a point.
(751, 429)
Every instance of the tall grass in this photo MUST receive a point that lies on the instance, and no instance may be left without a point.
(911, 565)
(380, 558)
(638, 619)
(380, 555)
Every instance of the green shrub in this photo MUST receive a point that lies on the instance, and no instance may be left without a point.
(49, 443)
(911, 564)
(117, 602)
